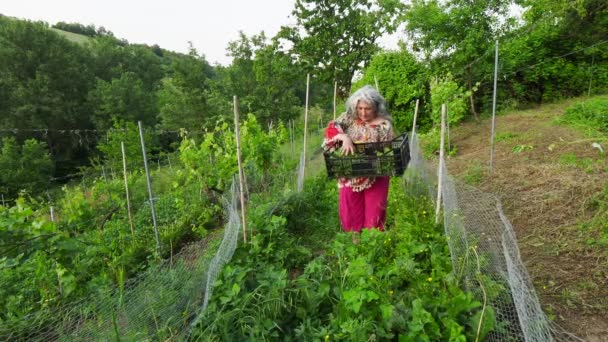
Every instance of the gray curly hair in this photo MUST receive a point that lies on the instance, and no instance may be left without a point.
(369, 95)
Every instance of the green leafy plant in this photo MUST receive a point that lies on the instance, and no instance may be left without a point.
(26, 167)
(521, 148)
(589, 113)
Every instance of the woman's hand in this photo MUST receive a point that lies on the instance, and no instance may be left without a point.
(347, 144)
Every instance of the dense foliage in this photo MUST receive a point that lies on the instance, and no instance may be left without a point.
(334, 39)
(551, 51)
(393, 284)
(51, 259)
(590, 113)
(67, 94)
(403, 80)
(65, 108)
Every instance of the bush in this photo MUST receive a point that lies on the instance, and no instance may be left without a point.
(592, 113)
(24, 167)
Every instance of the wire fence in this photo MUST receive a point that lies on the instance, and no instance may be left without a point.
(165, 301)
(162, 302)
(485, 254)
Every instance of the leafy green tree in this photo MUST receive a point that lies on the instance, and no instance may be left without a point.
(88, 30)
(335, 38)
(557, 52)
(113, 57)
(454, 35)
(279, 79)
(183, 96)
(446, 91)
(124, 98)
(44, 83)
(127, 132)
(26, 167)
(263, 77)
(402, 80)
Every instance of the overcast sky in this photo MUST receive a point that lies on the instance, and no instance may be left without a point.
(209, 25)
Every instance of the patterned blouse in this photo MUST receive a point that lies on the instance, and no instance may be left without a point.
(360, 132)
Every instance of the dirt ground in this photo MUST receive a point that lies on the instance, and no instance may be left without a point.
(549, 179)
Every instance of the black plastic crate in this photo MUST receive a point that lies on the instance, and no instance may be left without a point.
(387, 158)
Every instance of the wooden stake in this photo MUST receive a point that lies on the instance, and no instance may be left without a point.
(241, 173)
(292, 135)
(335, 94)
(415, 117)
(441, 163)
(305, 123)
(124, 172)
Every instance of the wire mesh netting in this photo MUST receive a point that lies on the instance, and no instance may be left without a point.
(157, 305)
(165, 301)
(485, 255)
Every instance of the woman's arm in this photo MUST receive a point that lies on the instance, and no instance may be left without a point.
(335, 136)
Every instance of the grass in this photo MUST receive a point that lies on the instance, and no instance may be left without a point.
(505, 136)
(74, 37)
(571, 159)
(474, 173)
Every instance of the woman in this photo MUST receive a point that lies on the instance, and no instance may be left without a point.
(362, 200)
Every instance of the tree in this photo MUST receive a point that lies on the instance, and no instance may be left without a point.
(402, 80)
(559, 51)
(335, 38)
(454, 35)
(44, 82)
(183, 96)
(124, 98)
(25, 167)
(263, 77)
(127, 132)
(77, 28)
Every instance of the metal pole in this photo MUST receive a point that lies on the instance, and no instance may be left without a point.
(306, 123)
(124, 171)
(105, 177)
(52, 214)
(493, 110)
(241, 172)
(3, 203)
(151, 197)
(441, 163)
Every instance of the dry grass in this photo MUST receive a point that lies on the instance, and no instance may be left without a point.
(547, 175)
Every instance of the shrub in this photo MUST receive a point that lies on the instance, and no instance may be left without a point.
(592, 113)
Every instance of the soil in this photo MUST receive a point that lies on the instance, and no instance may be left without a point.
(549, 179)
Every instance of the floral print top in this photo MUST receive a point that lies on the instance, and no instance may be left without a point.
(360, 132)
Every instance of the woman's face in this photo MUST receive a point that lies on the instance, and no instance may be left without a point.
(365, 111)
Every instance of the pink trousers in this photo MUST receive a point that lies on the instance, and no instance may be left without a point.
(366, 208)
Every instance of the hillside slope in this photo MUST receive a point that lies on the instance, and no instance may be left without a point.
(550, 180)
(74, 37)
